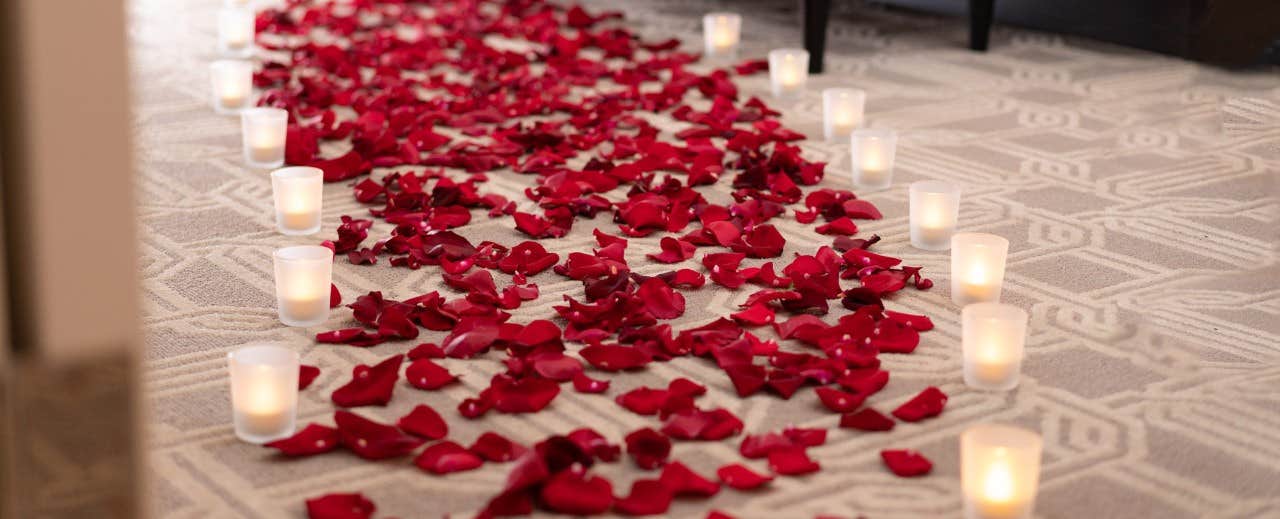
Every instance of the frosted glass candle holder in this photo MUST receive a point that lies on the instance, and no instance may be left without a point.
(935, 208)
(873, 153)
(264, 392)
(303, 276)
(232, 85)
(841, 112)
(264, 132)
(235, 31)
(977, 267)
(720, 34)
(999, 471)
(788, 72)
(298, 193)
(238, 3)
(993, 340)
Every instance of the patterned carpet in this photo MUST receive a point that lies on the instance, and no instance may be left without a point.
(1138, 193)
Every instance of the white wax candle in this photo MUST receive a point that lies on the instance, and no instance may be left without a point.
(264, 392)
(720, 33)
(264, 131)
(1000, 471)
(935, 207)
(235, 32)
(303, 275)
(873, 152)
(788, 71)
(977, 267)
(298, 192)
(841, 112)
(232, 82)
(994, 336)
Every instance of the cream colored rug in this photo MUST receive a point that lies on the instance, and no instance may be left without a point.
(1142, 229)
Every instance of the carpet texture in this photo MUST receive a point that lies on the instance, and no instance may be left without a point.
(1138, 193)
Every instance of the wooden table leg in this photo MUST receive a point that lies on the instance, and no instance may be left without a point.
(980, 14)
(815, 14)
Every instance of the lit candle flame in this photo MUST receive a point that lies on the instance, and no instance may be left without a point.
(997, 486)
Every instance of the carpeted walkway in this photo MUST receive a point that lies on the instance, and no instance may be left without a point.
(1143, 240)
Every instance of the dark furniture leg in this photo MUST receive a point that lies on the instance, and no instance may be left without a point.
(980, 14)
(815, 31)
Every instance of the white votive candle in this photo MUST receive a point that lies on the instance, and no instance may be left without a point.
(999, 471)
(841, 112)
(720, 34)
(264, 392)
(977, 267)
(235, 31)
(232, 85)
(298, 193)
(264, 131)
(873, 153)
(935, 208)
(993, 340)
(303, 276)
(788, 71)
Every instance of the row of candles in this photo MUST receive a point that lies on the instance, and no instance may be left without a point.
(1000, 464)
(264, 377)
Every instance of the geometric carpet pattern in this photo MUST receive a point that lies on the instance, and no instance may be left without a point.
(1138, 193)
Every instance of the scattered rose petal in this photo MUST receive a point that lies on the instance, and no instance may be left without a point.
(447, 457)
(425, 422)
(740, 477)
(927, 404)
(340, 506)
(906, 463)
(312, 439)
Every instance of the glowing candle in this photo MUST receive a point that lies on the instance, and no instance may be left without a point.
(999, 471)
(298, 193)
(788, 72)
(235, 32)
(977, 267)
(993, 340)
(264, 131)
(720, 34)
(935, 207)
(264, 392)
(232, 85)
(841, 112)
(303, 276)
(873, 153)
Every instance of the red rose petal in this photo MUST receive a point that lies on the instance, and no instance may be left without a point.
(585, 384)
(647, 497)
(571, 492)
(682, 481)
(312, 439)
(335, 297)
(307, 375)
(425, 422)
(494, 447)
(614, 357)
(372, 440)
(673, 251)
(370, 385)
(648, 448)
(906, 463)
(425, 374)
(340, 506)
(927, 404)
(867, 419)
(792, 461)
(740, 477)
(447, 457)
(839, 401)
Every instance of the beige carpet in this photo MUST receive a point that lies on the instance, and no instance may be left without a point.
(1141, 229)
